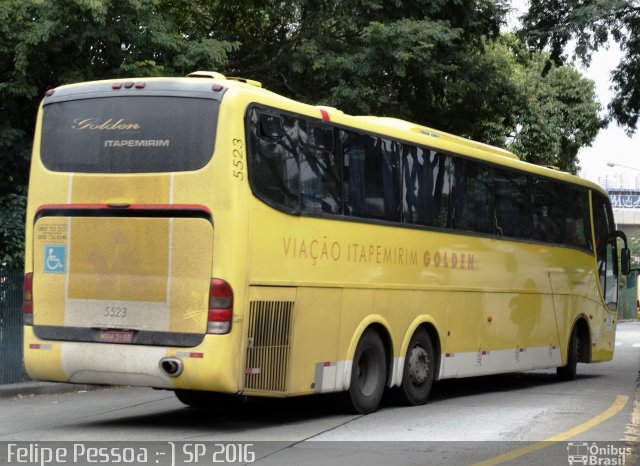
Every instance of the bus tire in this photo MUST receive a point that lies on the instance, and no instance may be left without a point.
(419, 370)
(568, 372)
(204, 399)
(368, 374)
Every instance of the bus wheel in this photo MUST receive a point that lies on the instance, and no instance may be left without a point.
(418, 373)
(368, 374)
(568, 372)
(203, 399)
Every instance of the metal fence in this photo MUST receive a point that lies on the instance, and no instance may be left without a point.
(11, 367)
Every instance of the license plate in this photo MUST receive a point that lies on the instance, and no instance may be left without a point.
(116, 336)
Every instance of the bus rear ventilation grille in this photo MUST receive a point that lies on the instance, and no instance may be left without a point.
(268, 345)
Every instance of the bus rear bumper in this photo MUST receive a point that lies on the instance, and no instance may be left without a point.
(202, 367)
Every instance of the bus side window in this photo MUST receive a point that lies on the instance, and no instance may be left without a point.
(416, 179)
(547, 211)
(473, 197)
(576, 208)
(512, 204)
(443, 168)
(320, 180)
(274, 171)
(423, 186)
(370, 176)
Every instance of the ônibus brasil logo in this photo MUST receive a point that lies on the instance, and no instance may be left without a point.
(601, 455)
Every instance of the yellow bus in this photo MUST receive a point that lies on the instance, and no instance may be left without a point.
(207, 236)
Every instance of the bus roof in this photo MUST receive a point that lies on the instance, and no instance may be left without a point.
(434, 133)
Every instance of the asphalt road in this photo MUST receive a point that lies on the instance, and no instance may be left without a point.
(522, 418)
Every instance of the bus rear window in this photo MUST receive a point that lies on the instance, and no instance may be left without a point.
(129, 134)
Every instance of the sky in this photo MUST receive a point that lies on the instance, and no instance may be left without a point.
(612, 145)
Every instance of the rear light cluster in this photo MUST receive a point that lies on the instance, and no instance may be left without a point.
(220, 307)
(116, 86)
(27, 299)
(128, 85)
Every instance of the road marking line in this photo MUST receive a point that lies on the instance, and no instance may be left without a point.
(618, 404)
(636, 345)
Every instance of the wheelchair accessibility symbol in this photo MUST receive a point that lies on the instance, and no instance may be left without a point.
(55, 259)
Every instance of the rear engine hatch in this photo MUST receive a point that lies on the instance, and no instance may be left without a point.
(131, 275)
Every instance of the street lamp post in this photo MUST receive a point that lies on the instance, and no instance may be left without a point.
(611, 164)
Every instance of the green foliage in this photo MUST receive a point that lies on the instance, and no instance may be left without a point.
(561, 113)
(407, 59)
(634, 246)
(442, 64)
(553, 24)
(586, 26)
(12, 210)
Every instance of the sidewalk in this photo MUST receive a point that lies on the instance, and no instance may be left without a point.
(19, 390)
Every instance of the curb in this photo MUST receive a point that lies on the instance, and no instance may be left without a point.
(23, 389)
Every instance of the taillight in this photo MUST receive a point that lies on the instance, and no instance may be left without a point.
(128, 85)
(220, 307)
(27, 299)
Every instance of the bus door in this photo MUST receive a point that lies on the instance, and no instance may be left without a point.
(606, 239)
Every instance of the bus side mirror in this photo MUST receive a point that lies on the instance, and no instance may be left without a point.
(625, 258)
(625, 252)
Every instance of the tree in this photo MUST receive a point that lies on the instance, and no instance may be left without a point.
(634, 246)
(413, 59)
(589, 25)
(441, 64)
(560, 112)
(12, 208)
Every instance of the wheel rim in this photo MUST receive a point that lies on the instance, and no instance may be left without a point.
(418, 365)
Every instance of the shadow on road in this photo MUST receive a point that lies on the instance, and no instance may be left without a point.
(251, 413)
(471, 386)
(265, 412)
